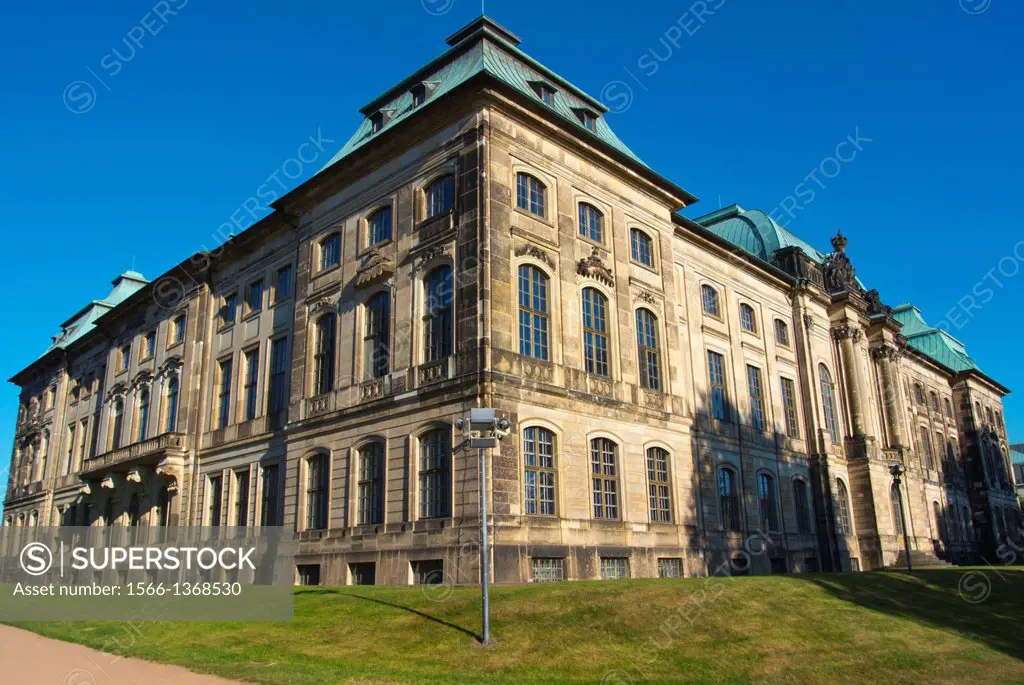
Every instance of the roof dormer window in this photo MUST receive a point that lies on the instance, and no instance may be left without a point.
(376, 122)
(419, 94)
(588, 118)
(545, 92)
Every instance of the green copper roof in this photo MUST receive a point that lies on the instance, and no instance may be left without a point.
(933, 342)
(483, 47)
(755, 232)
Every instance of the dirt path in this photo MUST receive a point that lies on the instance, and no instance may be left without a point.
(29, 659)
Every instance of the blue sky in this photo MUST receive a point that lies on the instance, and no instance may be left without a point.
(186, 123)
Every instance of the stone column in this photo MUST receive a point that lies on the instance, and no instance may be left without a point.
(885, 356)
(848, 335)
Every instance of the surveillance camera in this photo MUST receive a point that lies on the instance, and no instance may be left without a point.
(460, 423)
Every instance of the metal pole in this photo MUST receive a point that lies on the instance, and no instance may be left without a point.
(903, 520)
(485, 555)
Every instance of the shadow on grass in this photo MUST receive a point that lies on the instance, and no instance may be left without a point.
(981, 604)
(415, 612)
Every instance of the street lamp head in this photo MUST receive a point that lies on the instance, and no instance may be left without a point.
(503, 424)
(460, 423)
(897, 470)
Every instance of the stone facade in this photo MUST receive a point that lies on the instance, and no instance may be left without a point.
(320, 363)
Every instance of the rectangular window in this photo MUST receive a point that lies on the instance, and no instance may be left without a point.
(926, 448)
(547, 570)
(614, 568)
(435, 456)
(789, 405)
(149, 345)
(539, 471)
(428, 572)
(216, 495)
(659, 494)
(309, 574)
(126, 357)
(268, 505)
(330, 252)
(604, 478)
(252, 375)
(716, 380)
(670, 568)
(254, 296)
(364, 573)
(756, 397)
(224, 397)
(370, 487)
(178, 330)
(228, 310)
(283, 286)
(317, 480)
(242, 499)
(278, 391)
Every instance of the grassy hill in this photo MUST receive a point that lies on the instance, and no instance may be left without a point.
(827, 628)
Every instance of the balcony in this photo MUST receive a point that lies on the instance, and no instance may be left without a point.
(169, 447)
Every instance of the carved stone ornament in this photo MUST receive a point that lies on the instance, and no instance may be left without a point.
(431, 253)
(647, 297)
(320, 305)
(142, 379)
(838, 271)
(886, 351)
(844, 331)
(170, 366)
(594, 267)
(116, 390)
(535, 252)
(875, 305)
(374, 268)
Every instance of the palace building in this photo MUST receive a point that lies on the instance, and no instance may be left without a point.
(685, 395)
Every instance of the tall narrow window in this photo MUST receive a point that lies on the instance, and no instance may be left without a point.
(802, 506)
(539, 471)
(716, 382)
(268, 506)
(768, 502)
(530, 194)
(756, 397)
(172, 405)
(828, 403)
(709, 301)
(728, 500)
(379, 226)
(163, 507)
(371, 484)
(216, 500)
(126, 357)
(927, 455)
(843, 508)
(229, 310)
(323, 361)
(604, 475)
(317, 480)
(242, 499)
(252, 377)
(781, 333)
(647, 349)
(330, 251)
(435, 473)
(595, 332)
(115, 433)
(69, 463)
(949, 408)
(254, 297)
(440, 196)
(377, 338)
(934, 400)
(143, 413)
(178, 334)
(789, 405)
(149, 345)
(658, 494)
(591, 222)
(897, 509)
(938, 533)
(533, 312)
(748, 321)
(283, 284)
(641, 247)
(278, 390)
(224, 400)
(439, 320)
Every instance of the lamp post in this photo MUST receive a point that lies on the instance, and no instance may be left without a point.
(897, 470)
(486, 430)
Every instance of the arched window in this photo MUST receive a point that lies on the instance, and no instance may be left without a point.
(919, 394)
(539, 471)
(330, 251)
(843, 508)
(897, 509)
(768, 502)
(440, 196)
(934, 399)
(533, 312)
(828, 402)
(371, 484)
(435, 473)
(439, 321)
(781, 333)
(595, 332)
(377, 338)
(949, 408)
(709, 301)
(802, 506)
(938, 531)
(658, 492)
(719, 394)
(747, 318)
(647, 349)
(118, 424)
(323, 359)
(378, 226)
(530, 194)
(143, 423)
(604, 475)
(641, 247)
(317, 492)
(172, 404)
(591, 222)
(728, 500)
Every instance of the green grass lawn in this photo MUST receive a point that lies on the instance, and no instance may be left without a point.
(825, 628)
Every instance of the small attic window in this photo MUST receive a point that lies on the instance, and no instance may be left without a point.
(376, 122)
(545, 92)
(419, 94)
(588, 119)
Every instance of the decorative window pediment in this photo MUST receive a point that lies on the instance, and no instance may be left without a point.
(374, 268)
(594, 267)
